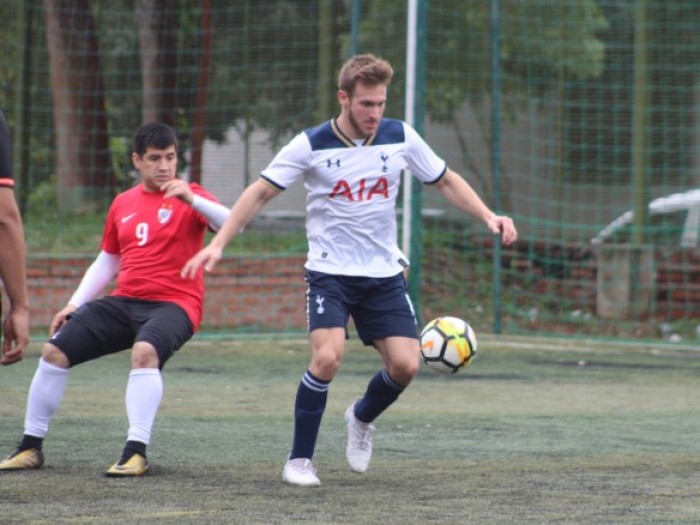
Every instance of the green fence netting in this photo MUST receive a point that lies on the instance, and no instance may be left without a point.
(596, 144)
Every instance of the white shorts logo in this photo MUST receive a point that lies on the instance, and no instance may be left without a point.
(319, 302)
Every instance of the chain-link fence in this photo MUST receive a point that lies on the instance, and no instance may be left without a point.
(583, 127)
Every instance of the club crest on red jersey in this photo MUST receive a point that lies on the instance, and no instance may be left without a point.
(164, 213)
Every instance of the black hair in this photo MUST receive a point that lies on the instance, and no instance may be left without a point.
(155, 135)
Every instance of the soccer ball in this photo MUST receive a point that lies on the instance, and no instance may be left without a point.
(447, 344)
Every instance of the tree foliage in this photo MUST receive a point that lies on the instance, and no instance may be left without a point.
(539, 41)
(265, 66)
(83, 170)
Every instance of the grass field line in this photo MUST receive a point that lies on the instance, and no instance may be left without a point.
(143, 516)
(565, 344)
(513, 341)
(525, 342)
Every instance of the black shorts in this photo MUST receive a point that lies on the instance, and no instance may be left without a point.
(380, 307)
(112, 324)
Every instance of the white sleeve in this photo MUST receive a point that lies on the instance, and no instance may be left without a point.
(290, 163)
(423, 162)
(97, 276)
(214, 212)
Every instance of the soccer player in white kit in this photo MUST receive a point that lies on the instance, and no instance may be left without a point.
(351, 168)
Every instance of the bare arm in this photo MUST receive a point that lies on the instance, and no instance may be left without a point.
(251, 201)
(14, 278)
(458, 191)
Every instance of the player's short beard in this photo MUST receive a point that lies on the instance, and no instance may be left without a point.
(357, 129)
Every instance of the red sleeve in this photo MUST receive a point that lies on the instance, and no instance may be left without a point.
(199, 190)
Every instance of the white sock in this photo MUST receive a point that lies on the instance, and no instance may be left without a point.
(143, 394)
(45, 396)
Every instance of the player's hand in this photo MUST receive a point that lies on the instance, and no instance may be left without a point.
(60, 318)
(503, 225)
(179, 189)
(15, 336)
(207, 258)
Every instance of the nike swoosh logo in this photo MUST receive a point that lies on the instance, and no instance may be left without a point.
(124, 219)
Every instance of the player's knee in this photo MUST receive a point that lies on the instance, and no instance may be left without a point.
(413, 368)
(404, 371)
(144, 355)
(52, 354)
(325, 365)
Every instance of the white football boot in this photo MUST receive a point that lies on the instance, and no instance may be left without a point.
(300, 471)
(359, 449)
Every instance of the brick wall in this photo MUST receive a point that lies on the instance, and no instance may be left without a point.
(266, 292)
(571, 273)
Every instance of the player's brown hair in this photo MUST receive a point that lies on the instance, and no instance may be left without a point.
(367, 69)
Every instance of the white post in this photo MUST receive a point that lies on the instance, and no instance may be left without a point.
(411, 42)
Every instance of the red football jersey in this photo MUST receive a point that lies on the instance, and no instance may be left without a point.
(155, 237)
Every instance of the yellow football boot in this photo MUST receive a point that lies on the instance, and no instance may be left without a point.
(136, 465)
(27, 459)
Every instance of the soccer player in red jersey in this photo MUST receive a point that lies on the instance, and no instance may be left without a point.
(15, 328)
(150, 232)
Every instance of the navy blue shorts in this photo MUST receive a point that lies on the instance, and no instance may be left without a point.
(379, 307)
(112, 324)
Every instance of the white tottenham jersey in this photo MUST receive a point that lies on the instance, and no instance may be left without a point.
(351, 193)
